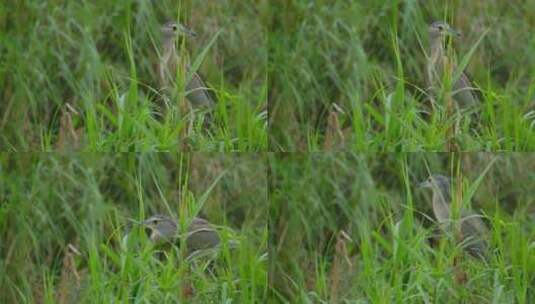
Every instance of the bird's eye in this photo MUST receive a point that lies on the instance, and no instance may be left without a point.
(440, 27)
(174, 28)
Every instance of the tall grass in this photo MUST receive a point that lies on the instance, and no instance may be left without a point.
(352, 228)
(368, 58)
(81, 75)
(67, 232)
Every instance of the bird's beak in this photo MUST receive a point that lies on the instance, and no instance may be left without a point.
(188, 31)
(454, 32)
(424, 184)
(147, 227)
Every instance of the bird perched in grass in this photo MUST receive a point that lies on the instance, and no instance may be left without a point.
(438, 63)
(197, 93)
(199, 235)
(472, 229)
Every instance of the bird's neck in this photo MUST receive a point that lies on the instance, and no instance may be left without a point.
(441, 203)
(168, 49)
(436, 47)
(434, 65)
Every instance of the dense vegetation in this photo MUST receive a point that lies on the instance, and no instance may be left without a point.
(81, 75)
(367, 57)
(65, 238)
(354, 228)
(346, 77)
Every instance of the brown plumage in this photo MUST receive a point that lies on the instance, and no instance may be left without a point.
(200, 234)
(472, 229)
(462, 89)
(197, 91)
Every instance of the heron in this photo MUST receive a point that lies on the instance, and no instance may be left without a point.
(199, 235)
(438, 63)
(197, 93)
(472, 229)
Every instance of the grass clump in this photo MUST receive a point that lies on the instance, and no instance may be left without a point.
(82, 77)
(367, 57)
(351, 228)
(68, 232)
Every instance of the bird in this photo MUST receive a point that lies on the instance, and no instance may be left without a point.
(437, 62)
(197, 93)
(472, 229)
(200, 234)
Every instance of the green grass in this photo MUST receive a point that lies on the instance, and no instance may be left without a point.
(88, 201)
(368, 58)
(354, 228)
(92, 63)
(330, 227)
(82, 76)
(289, 76)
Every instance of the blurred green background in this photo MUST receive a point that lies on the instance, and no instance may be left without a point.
(81, 75)
(352, 228)
(367, 57)
(51, 203)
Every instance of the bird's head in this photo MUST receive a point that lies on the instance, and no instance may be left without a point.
(160, 228)
(437, 182)
(173, 29)
(442, 29)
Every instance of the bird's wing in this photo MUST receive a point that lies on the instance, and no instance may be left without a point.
(201, 235)
(199, 93)
(199, 222)
(474, 222)
(464, 91)
(474, 233)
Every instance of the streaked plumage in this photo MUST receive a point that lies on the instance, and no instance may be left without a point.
(200, 233)
(197, 91)
(473, 230)
(462, 89)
